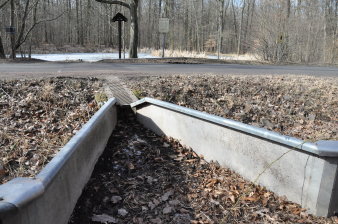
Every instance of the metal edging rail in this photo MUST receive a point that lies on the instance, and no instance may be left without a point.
(320, 148)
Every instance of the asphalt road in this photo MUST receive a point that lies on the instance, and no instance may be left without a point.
(159, 69)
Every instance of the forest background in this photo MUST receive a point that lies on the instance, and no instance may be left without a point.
(298, 31)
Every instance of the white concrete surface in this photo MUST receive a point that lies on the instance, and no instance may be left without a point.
(303, 177)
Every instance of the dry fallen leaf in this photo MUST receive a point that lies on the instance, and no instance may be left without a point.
(156, 221)
(122, 212)
(167, 210)
(166, 196)
(116, 199)
(104, 218)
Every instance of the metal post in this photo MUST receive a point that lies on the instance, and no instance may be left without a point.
(124, 41)
(120, 38)
(163, 44)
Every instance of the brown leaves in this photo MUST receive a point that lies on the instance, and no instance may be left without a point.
(302, 107)
(38, 117)
(180, 191)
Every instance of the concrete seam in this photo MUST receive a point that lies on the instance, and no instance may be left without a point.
(301, 199)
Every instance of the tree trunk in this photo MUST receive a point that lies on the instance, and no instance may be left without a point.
(78, 31)
(45, 25)
(13, 53)
(158, 45)
(220, 27)
(240, 30)
(285, 45)
(235, 20)
(2, 51)
(133, 29)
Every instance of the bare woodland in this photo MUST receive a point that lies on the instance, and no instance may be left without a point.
(299, 31)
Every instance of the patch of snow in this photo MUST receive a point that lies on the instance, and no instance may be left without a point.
(88, 57)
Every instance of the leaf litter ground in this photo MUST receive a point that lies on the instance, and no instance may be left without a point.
(37, 118)
(299, 106)
(149, 179)
(145, 178)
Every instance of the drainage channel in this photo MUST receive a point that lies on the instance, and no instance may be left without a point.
(142, 177)
(145, 178)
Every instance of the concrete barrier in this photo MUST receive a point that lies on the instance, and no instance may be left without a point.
(51, 196)
(306, 173)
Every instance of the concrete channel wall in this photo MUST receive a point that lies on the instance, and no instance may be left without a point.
(51, 196)
(306, 173)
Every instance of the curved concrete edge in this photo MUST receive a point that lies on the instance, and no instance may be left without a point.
(54, 166)
(320, 148)
(20, 191)
(51, 196)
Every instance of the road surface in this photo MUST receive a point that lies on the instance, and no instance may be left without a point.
(161, 69)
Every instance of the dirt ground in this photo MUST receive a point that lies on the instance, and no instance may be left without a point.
(144, 178)
(298, 106)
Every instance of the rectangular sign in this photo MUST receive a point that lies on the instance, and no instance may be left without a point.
(10, 29)
(164, 25)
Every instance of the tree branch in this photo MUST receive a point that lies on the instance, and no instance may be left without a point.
(112, 2)
(3, 4)
(34, 25)
(23, 26)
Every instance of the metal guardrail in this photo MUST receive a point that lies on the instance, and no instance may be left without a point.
(51, 196)
(320, 148)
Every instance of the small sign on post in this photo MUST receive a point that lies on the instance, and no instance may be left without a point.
(164, 25)
(120, 18)
(163, 28)
(10, 29)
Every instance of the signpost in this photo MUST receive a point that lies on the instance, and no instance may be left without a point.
(164, 29)
(120, 18)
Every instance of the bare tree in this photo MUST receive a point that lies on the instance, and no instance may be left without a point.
(241, 28)
(278, 31)
(2, 51)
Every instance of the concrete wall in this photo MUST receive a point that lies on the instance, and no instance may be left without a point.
(51, 196)
(304, 177)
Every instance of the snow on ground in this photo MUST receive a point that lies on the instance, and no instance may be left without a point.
(94, 57)
(89, 57)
